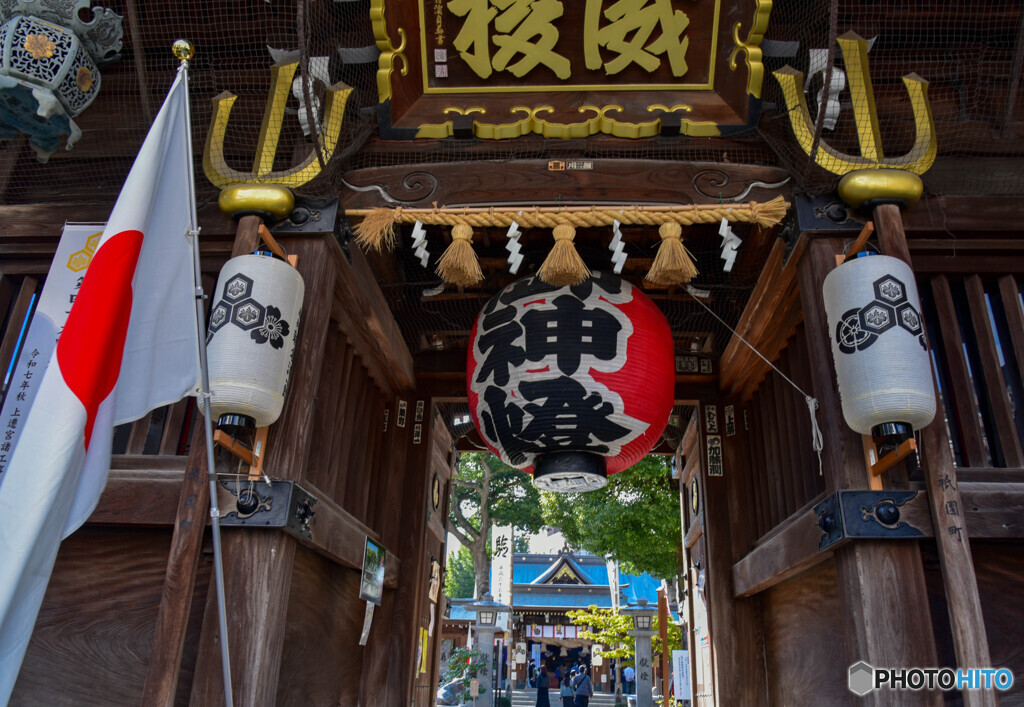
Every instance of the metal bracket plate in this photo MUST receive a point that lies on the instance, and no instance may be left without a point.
(309, 216)
(878, 515)
(284, 505)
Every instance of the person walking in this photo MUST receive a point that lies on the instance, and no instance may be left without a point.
(567, 693)
(543, 682)
(584, 687)
(628, 676)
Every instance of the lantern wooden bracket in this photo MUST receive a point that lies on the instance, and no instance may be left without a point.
(276, 248)
(253, 457)
(889, 460)
(858, 245)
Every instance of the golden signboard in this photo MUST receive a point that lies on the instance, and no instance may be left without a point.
(497, 69)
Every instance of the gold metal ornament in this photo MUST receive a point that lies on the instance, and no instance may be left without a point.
(214, 163)
(600, 122)
(39, 46)
(269, 199)
(854, 48)
(751, 47)
(866, 185)
(183, 50)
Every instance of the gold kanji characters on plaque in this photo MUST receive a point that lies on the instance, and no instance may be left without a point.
(522, 31)
(628, 35)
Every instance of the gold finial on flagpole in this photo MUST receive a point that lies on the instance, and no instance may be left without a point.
(183, 49)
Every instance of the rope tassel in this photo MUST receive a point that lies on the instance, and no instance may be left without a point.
(459, 265)
(563, 266)
(377, 230)
(674, 264)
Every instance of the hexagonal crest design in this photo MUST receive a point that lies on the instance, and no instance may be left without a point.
(79, 260)
(248, 314)
(861, 678)
(93, 242)
(909, 318)
(237, 287)
(890, 289)
(877, 317)
(219, 316)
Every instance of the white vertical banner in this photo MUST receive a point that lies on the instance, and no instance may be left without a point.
(74, 253)
(681, 674)
(613, 582)
(501, 571)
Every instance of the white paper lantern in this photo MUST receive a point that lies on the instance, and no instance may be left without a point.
(878, 345)
(251, 339)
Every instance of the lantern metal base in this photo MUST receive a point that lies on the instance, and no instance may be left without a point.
(567, 472)
(235, 424)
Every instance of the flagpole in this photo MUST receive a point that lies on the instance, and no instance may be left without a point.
(184, 51)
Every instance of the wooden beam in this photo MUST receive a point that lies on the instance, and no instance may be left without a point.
(883, 631)
(790, 551)
(991, 511)
(190, 504)
(258, 566)
(760, 321)
(965, 406)
(995, 383)
(958, 578)
(370, 326)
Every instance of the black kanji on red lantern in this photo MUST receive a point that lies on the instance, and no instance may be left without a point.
(535, 353)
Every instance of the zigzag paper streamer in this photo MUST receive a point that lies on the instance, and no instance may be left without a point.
(617, 248)
(419, 243)
(515, 258)
(730, 244)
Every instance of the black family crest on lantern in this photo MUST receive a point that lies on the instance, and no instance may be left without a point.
(540, 374)
(858, 329)
(237, 307)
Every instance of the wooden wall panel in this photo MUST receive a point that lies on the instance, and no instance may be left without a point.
(322, 662)
(95, 629)
(804, 640)
(999, 569)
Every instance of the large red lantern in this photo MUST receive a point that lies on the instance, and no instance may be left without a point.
(572, 383)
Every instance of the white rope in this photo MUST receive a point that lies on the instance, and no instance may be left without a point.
(817, 443)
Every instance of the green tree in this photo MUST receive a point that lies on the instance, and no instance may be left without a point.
(612, 629)
(487, 492)
(634, 518)
(459, 576)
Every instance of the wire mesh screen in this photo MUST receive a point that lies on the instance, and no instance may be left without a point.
(236, 44)
(970, 53)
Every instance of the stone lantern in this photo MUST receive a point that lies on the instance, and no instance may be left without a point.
(643, 617)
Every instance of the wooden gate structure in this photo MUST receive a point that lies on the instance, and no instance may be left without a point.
(779, 603)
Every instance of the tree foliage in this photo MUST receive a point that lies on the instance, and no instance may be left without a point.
(487, 492)
(612, 630)
(459, 576)
(634, 518)
(464, 665)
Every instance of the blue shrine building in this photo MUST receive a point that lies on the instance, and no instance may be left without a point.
(545, 587)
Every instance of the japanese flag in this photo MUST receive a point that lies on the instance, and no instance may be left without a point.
(130, 345)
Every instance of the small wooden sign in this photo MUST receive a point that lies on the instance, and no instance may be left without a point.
(711, 419)
(730, 420)
(714, 455)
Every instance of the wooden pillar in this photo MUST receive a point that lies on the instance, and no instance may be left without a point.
(186, 543)
(881, 583)
(970, 642)
(258, 563)
(736, 631)
(410, 611)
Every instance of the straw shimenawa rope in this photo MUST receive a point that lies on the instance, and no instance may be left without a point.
(377, 229)
(458, 265)
(563, 266)
(674, 264)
